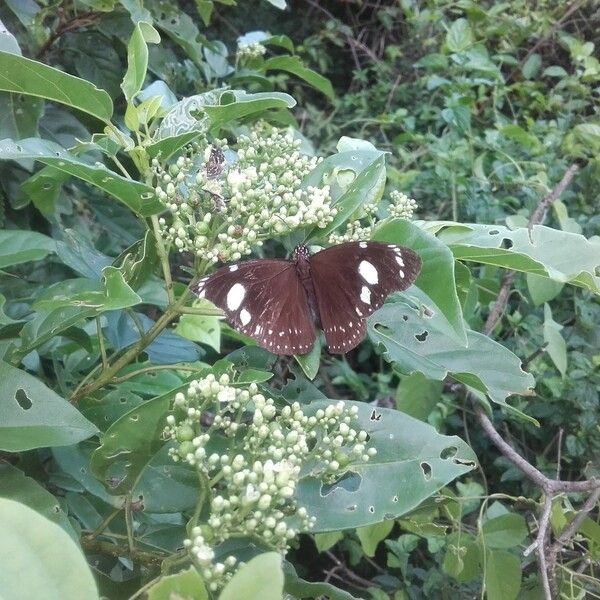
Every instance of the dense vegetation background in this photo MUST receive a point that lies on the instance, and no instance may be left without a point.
(485, 113)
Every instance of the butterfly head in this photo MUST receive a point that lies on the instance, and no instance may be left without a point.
(300, 253)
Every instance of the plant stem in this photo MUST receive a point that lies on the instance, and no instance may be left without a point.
(164, 258)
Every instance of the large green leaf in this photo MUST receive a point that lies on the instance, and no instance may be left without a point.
(17, 486)
(366, 187)
(26, 76)
(436, 278)
(17, 246)
(38, 559)
(137, 58)
(130, 443)
(237, 104)
(413, 461)
(261, 577)
(47, 324)
(417, 342)
(502, 575)
(33, 416)
(138, 197)
(114, 295)
(560, 255)
(293, 65)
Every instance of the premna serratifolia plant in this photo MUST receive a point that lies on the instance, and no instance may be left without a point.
(142, 434)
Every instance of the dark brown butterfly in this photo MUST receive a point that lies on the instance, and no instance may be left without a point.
(279, 302)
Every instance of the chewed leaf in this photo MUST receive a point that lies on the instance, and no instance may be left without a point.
(417, 341)
(541, 253)
(413, 461)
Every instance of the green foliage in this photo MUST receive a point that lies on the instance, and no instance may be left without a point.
(108, 427)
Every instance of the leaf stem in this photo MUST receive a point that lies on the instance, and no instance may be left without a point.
(164, 258)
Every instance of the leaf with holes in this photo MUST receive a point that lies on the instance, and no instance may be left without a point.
(33, 416)
(543, 255)
(26, 76)
(413, 461)
(138, 197)
(54, 565)
(436, 278)
(416, 340)
(366, 188)
(130, 443)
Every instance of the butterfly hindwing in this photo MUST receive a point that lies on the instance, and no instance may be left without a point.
(265, 300)
(352, 281)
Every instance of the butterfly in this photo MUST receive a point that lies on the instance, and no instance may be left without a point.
(279, 302)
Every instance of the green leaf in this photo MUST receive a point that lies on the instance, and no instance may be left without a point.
(20, 488)
(519, 135)
(47, 324)
(588, 133)
(293, 65)
(115, 295)
(437, 278)
(417, 342)
(261, 577)
(17, 246)
(20, 115)
(417, 396)
(299, 588)
(137, 58)
(560, 255)
(371, 535)
(462, 558)
(130, 443)
(311, 361)
(542, 289)
(26, 76)
(325, 541)
(532, 66)
(33, 416)
(366, 188)
(556, 347)
(413, 461)
(185, 585)
(138, 197)
(201, 328)
(237, 104)
(459, 36)
(33, 545)
(502, 575)
(505, 531)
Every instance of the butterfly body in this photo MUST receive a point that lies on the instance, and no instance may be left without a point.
(279, 302)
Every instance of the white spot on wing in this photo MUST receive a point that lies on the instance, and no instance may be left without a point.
(358, 311)
(233, 268)
(401, 273)
(235, 296)
(245, 317)
(368, 272)
(399, 261)
(362, 244)
(365, 294)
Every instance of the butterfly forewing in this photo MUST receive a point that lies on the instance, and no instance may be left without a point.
(352, 281)
(265, 300)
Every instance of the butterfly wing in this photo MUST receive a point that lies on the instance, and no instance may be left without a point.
(265, 300)
(352, 281)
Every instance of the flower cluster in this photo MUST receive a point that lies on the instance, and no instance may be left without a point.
(250, 51)
(358, 230)
(222, 203)
(401, 205)
(252, 478)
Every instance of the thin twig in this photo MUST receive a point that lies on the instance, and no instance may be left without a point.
(539, 213)
(540, 543)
